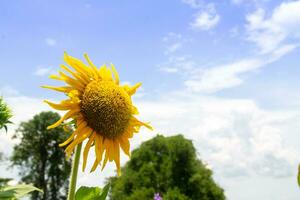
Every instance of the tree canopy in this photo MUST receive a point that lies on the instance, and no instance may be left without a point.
(40, 159)
(5, 114)
(169, 166)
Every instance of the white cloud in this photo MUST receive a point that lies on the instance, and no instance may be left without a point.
(206, 19)
(178, 64)
(42, 71)
(268, 33)
(255, 2)
(226, 76)
(233, 136)
(194, 3)
(173, 42)
(50, 41)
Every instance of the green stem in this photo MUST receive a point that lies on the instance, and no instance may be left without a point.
(74, 172)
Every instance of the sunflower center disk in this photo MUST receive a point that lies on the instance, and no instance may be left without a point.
(106, 108)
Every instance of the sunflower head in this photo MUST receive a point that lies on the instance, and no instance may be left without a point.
(101, 107)
(106, 107)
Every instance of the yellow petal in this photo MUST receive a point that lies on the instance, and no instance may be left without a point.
(87, 149)
(135, 110)
(79, 66)
(94, 68)
(105, 160)
(110, 150)
(116, 75)
(86, 133)
(116, 156)
(99, 151)
(78, 77)
(62, 106)
(64, 89)
(105, 73)
(80, 126)
(132, 90)
(125, 145)
(106, 146)
(72, 82)
(139, 123)
(68, 115)
(55, 77)
(99, 147)
(68, 140)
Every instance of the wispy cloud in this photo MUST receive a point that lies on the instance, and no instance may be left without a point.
(194, 3)
(272, 36)
(50, 41)
(206, 19)
(255, 2)
(42, 71)
(178, 64)
(229, 75)
(172, 42)
(268, 33)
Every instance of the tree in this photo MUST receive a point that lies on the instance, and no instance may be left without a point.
(40, 160)
(169, 166)
(5, 114)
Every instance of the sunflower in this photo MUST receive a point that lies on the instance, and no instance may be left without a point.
(101, 108)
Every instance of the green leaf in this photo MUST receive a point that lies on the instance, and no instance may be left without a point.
(104, 192)
(18, 191)
(299, 175)
(87, 193)
(92, 193)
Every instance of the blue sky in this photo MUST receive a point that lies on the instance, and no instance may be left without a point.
(223, 73)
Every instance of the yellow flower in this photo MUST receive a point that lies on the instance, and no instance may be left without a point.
(102, 110)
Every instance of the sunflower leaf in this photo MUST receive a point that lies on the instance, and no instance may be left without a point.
(16, 192)
(92, 193)
(87, 193)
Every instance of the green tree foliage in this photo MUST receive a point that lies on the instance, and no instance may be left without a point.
(40, 160)
(5, 114)
(169, 166)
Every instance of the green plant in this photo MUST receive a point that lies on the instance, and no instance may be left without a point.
(5, 114)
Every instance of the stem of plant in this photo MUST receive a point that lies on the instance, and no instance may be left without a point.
(74, 172)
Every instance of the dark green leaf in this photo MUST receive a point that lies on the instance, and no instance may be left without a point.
(7, 195)
(88, 193)
(92, 193)
(104, 192)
